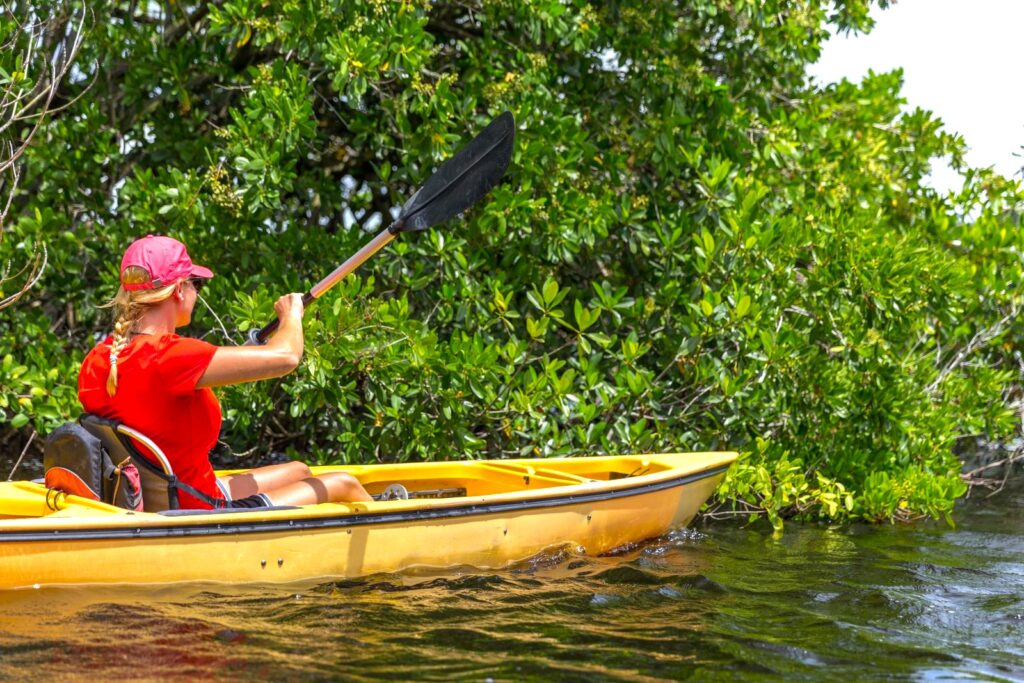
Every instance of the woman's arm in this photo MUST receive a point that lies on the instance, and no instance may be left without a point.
(280, 355)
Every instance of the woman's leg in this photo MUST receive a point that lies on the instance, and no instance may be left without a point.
(264, 479)
(331, 487)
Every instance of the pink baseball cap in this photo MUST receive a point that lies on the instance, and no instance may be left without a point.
(164, 258)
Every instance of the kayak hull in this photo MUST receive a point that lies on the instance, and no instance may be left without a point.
(90, 543)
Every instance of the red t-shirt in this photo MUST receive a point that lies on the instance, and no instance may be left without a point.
(157, 395)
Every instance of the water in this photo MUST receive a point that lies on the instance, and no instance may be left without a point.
(720, 602)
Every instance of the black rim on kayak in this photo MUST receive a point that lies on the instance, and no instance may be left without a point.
(350, 520)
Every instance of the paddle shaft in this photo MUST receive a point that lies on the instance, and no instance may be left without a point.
(319, 289)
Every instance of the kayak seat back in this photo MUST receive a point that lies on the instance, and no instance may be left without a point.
(160, 486)
(75, 462)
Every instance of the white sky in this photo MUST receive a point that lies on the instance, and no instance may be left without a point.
(961, 59)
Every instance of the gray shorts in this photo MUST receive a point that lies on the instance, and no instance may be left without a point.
(256, 500)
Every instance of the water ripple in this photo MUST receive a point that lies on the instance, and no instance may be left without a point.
(716, 603)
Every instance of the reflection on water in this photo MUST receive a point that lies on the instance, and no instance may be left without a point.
(721, 602)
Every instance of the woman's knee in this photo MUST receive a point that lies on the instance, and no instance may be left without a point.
(343, 486)
(297, 470)
(340, 480)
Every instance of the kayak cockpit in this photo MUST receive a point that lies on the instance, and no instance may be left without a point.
(491, 477)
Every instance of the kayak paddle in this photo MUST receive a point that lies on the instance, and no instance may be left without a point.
(458, 184)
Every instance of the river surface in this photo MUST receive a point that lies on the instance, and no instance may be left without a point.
(717, 602)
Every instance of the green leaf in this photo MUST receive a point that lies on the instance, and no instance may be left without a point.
(708, 241)
(742, 306)
(550, 291)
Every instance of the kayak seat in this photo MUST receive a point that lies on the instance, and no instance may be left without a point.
(75, 462)
(160, 486)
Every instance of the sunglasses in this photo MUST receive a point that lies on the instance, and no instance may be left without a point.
(197, 283)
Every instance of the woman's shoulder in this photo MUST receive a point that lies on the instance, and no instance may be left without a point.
(176, 349)
(177, 341)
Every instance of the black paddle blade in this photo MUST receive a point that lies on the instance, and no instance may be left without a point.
(462, 180)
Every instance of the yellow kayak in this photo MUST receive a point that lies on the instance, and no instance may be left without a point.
(486, 513)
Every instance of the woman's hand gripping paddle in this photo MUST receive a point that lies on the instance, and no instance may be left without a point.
(457, 185)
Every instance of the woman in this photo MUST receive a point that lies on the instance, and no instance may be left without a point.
(159, 383)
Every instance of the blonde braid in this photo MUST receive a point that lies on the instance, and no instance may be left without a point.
(129, 306)
(130, 313)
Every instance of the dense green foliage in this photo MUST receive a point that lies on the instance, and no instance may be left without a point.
(695, 248)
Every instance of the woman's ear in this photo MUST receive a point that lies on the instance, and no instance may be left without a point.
(179, 291)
